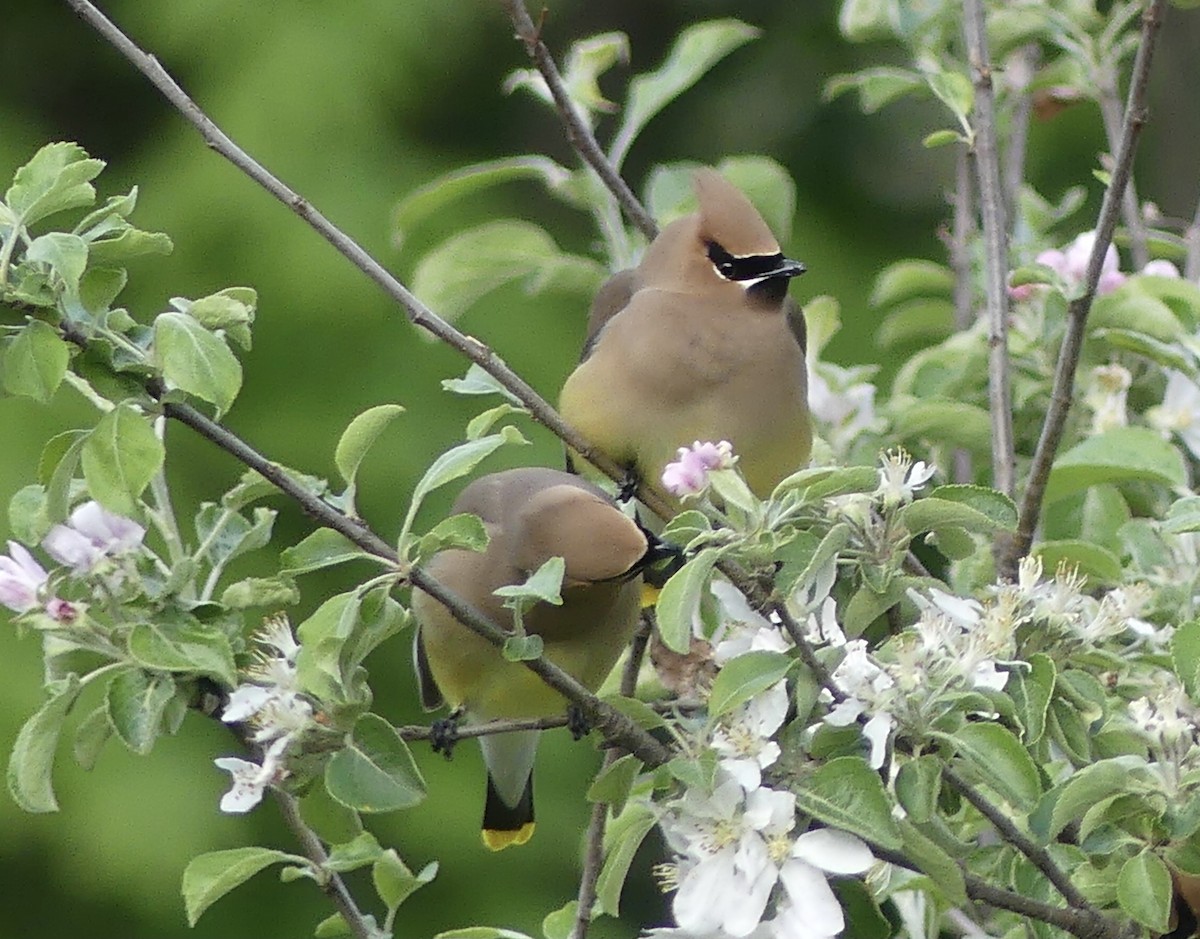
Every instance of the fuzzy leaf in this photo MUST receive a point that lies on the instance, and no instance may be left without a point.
(119, 458)
(743, 677)
(196, 361)
(679, 602)
(846, 793)
(998, 758)
(1121, 455)
(35, 362)
(375, 772)
(360, 435)
(210, 876)
(32, 759)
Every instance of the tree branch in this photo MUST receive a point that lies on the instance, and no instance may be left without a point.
(358, 923)
(958, 248)
(1131, 206)
(578, 133)
(1078, 309)
(1037, 855)
(995, 244)
(1020, 72)
(419, 314)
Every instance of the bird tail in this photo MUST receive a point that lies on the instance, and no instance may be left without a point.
(506, 825)
(508, 811)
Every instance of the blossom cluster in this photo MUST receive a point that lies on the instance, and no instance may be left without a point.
(89, 543)
(687, 475)
(271, 702)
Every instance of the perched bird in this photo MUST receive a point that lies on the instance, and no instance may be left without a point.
(530, 515)
(698, 342)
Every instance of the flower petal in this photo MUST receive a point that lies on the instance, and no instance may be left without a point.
(837, 852)
(812, 898)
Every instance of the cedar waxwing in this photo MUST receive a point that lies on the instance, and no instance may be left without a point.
(698, 342)
(530, 515)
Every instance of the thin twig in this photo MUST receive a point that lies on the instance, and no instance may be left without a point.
(593, 852)
(1037, 855)
(1191, 238)
(1086, 924)
(578, 133)
(1078, 309)
(995, 246)
(958, 248)
(359, 923)
(1131, 206)
(1019, 74)
(419, 314)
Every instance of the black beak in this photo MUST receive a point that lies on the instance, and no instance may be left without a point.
(786, 268)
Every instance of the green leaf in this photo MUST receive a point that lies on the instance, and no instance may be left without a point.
(375, 772)
(252, 592)
(523, 648)
(918, 783)
(455, 463)
(1068, 801)
(998, 758)
(66, 255)
(1161, 353)
(944, 421)
(93, 732)
(926, 320)
(196, 361)
(1183, 516)
(560, 923)
(361, 850)
(679, 601)
(613, 784)
(864, 919)
(479, 382)
(57, 178)
(129, 243)
(622, 838)
(846, 793)
(696, 50)
(637, 711)
(868, 604)
(394, 882)
(931, 859)
(432, 198)
(940, 138)
(480, 424)
(27, 517)
(32, 759)
(323, 548)
(333, 822)
(995, 505)
(862, 20)
(136, 703)
(910, 280)
(932, 513)
(210, 876)
(731, 487)
(1185, 655)
(1101, 566)
(542, 586)
(465, 532)
(1144, 890)
(1129, 307)
(469, 265)
(35, 361)
(231, 310)
(186, 648)
(119, 458)
(1031, 692)
(1121, 455)
(359, 437)
(824, 482)
(746, 675)
(876, 87)
(955, 90)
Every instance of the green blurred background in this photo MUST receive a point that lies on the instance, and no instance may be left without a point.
(353, 105)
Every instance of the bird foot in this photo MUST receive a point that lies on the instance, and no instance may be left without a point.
(577, 723)
(628, 487)
(443, 734)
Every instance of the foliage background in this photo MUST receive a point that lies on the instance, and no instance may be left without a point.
(354, 105)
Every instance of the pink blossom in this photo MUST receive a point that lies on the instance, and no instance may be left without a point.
(688, 474)
(92, 533)
(1071, 263)
(62, 611)
(1022, 292)
(21, 579)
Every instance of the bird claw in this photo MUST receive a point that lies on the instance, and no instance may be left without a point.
(443, 734)
(628, 488)
(577, 722)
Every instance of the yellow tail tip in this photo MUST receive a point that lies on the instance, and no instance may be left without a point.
(499, 840)
(649, 595)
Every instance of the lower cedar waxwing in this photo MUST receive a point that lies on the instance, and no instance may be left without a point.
(698, 342)
(530, 515)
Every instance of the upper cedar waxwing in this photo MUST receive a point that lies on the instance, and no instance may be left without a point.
(530, 515)
(698, 342)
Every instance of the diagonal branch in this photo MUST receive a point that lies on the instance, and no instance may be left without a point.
(578, 134)
(995, 246)
(1077, 311)
(419, 314)
(358, 923)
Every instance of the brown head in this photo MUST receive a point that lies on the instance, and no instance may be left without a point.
(595, 539)
(726, 243)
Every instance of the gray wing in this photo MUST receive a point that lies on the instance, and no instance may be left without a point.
(431, 695)
(795, 319)
(612, 297)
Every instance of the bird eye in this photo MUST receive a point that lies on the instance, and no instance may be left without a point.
(726, 268)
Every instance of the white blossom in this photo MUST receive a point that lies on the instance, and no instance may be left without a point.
(21, 579)
(1179, 412)
(743, 739)
(251, 779)
(900, 478)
